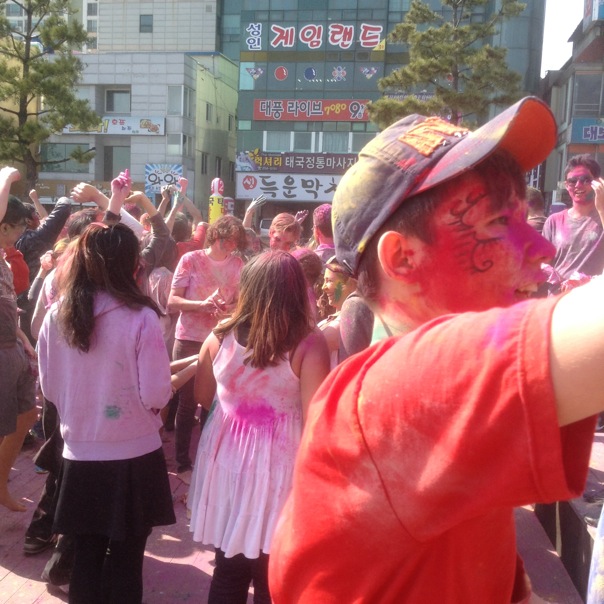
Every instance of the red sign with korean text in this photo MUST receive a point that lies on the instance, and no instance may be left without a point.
(311, 110)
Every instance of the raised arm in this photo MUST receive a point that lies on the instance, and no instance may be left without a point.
(251, 210)
(8, 176)
(42, 213)
(85, 192)
(577, 352)
(120, 188)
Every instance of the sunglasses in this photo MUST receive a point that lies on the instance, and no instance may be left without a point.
(581, 179)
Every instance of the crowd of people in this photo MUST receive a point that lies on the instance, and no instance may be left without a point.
(390, 476)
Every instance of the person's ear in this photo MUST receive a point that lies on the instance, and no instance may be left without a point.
(398, 255)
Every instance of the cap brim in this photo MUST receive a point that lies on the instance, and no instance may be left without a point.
(527, 130)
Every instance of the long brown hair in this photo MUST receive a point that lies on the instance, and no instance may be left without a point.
(105, 259)
(273, 308)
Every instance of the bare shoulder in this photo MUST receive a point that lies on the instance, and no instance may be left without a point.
(313, 346)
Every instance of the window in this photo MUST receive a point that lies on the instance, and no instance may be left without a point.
(116, 160)
(189, 103)
(187, 145)
(277, 141)
(302, 141)
(360, 139)
(174, 144)
(91, 43)
(13, 10)
(208, 112)
(588, 95)
(91, 26)
(218, 167)
(231, 171)
(204, 163)
(93, 9)
(174, 100)
(58, 152)
(146, 24)
(335, 142)
(117, 101)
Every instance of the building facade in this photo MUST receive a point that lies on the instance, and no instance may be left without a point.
(576, 95)
(167, 100)
(308, 68)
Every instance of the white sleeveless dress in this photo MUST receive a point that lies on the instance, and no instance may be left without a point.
(245, 460)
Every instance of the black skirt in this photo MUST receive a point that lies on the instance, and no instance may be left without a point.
(114, 498)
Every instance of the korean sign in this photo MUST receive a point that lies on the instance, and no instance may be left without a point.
(287, 187)
(587, 130)
(160, 175)
(313, 110)
(300, 163)
(147, 126)
(313, 36)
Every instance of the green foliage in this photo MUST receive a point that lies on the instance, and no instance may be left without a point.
(451, 60)
(38, 76)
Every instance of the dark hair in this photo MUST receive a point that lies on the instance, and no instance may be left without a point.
(585, 160)
(273, 308)
(181, 230)
(105, 259)
(499, 173)
(534, 199)
(16, 211)
(312, 265)
(31, 209)
(225, 228)
(78, 221)
(321, 219)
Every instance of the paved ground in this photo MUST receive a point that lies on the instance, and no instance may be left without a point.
(178, 570)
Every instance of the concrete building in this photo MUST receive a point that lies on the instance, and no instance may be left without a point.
(576, 95)
(307, 69)
(166, 98)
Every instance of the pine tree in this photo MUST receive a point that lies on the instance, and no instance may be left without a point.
(453, 71)
(38, 75)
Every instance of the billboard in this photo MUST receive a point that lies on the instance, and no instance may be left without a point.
(287, 187)
(145, 126)
(311, 110)
(587, 130)
(301, 163)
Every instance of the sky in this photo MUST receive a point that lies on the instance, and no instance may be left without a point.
(561, 19)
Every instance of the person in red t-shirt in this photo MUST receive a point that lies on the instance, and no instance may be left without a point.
(416, 450)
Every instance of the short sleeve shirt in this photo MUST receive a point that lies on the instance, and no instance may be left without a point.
(200, 276)
(415, 453)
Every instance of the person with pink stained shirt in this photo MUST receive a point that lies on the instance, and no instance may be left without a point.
(204, 290)
(256, 374)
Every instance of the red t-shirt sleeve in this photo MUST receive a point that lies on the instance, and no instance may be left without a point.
(460, 416)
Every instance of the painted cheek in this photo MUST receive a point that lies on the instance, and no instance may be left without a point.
(338, 291)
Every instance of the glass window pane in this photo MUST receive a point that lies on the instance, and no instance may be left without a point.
(278, 141)
(146, 24)
(173, 146)
(303, 141)
(118, 101)
(174, 100)
(588, 91)
(335, 142)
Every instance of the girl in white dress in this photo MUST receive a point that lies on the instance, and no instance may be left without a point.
(257, 372)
